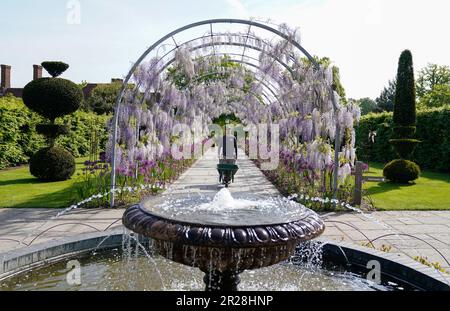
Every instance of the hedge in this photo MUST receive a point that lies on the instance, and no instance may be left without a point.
(433, 130)
(19, 138)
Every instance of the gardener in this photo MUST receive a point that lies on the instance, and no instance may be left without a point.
(227, 151)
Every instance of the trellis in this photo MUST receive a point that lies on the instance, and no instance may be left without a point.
(247, 41)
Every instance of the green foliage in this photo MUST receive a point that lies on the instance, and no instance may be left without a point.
(85, 127)
(401, 171)
(225, 119)
(55, 69)
(52, 131)
(385, 102)
(405, 94)
(216, 73)
(367, 105)
(19, 139)
(404, 147)
(433, 131)
(52, 164)
(438, 96)
(95, 179)
(52, 97)
(103, 98)
(430, 77)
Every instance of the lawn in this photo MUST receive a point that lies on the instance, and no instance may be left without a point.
(430, 192)
(18, 188)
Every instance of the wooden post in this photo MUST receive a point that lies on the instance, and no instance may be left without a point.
(357, 197)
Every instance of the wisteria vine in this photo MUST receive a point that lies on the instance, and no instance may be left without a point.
(199, 84)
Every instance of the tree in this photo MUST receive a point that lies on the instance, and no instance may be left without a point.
(103, 98)
(367, 105)
(385, 102)
(430, 77)
(402, 170)
(439, 96)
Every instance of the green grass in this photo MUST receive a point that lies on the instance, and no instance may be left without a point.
(18, 188)
(430, 192)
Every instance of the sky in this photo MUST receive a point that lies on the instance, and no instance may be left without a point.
(364, 38)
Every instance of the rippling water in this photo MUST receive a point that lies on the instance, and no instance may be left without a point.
(223, 209)
(113, 271)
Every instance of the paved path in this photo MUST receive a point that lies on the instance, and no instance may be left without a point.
(412, 233)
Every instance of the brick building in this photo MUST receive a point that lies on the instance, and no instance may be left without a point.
(6, 89)
(5, 82)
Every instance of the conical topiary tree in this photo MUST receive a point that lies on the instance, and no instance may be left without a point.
(402, 170)
(52, 98)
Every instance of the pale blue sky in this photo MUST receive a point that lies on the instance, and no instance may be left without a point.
(363, 37)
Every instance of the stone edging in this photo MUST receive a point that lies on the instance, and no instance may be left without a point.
(27, 258)
(393, 265)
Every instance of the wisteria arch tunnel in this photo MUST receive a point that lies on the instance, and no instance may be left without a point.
(247, 44)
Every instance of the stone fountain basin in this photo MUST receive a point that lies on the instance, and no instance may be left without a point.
(223, 248)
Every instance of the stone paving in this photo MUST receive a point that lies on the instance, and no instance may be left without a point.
(414, 233)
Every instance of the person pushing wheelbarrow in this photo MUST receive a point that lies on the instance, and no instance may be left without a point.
(228, 153)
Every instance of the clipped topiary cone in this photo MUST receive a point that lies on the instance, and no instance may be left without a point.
(402, 170)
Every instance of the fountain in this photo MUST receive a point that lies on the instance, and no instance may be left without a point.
(225, 236)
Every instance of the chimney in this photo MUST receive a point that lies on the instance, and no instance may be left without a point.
(6, 77)
(37, 72)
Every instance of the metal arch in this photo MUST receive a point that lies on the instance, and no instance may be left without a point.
(251, 93)
(238, 44)
(233, 44)
(198, 47)
(164, 38)
(235, 61)
(169, 62)
(218, 35)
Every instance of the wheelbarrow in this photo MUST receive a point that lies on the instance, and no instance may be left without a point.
(226, 173)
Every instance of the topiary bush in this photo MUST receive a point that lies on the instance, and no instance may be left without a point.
(405, 122)
(52, 98)
(405, 93)
(62, 164)
(52, 131)
(404, 147)
(401, 171)
(55, 69)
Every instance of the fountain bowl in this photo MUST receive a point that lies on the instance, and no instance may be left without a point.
(222, 251)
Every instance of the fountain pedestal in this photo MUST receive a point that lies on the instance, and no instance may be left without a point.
(227, 281)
